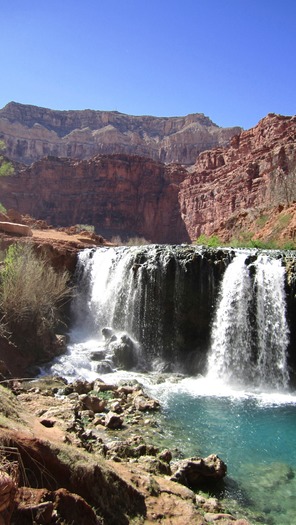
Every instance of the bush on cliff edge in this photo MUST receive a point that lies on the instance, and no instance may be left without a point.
(32, 294)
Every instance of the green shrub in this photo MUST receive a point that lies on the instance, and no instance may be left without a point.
(2, 208)
(212, 241)
(245, 240)
(284, 220)
(85, 227)
(31, 291)
(261, 221)
(6, 168)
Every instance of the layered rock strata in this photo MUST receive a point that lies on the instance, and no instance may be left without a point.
(31, 133)
(229, 190)
(119, 195)
(256, 171)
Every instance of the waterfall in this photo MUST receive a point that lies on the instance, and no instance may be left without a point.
(160, 296)
(230, 355)
(181, 308)
(272, 327)
(250, 334)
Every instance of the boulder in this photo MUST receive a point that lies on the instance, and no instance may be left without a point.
(144, 403)
(16, 229)
(104, 367)
(196, 472)
(93, 403)
(124, 352)
(81, 387)
(113, 421)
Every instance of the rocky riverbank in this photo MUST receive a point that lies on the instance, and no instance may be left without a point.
(84, 453)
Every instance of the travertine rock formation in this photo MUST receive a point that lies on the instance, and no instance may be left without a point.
(31, 133)
(120, 195)
(256, 172)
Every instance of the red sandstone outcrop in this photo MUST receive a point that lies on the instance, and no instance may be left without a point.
(118, 194)
(31, 133)
(15, 229)
(235, 185)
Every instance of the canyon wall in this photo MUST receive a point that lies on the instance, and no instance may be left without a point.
(31, 133)
(120, 195)
(247, 186)
(256, 172)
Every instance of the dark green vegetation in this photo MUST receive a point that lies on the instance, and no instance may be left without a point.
(6, 167)
(245, 241)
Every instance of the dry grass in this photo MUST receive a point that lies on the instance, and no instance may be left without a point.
(31, 291)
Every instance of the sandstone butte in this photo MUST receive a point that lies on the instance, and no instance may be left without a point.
(244, 188)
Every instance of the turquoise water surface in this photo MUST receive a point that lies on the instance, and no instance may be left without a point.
(255, 435)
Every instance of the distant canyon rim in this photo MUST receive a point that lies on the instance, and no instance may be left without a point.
(167, 179)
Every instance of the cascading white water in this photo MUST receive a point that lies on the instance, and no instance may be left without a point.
(110, 288)
(160, 300)
(250, 333)
(272, 327)
(120, 291)
(230, 355)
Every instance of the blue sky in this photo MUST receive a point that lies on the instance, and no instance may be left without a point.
(233, 60)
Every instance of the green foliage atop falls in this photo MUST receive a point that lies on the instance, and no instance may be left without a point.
(245, 240)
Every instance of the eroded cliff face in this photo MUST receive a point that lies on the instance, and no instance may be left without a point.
(230, 188)
(247, 187)
(120, 195)
(31, 133)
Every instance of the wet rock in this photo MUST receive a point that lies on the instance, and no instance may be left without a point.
(100, 386)
(104, 368)
(165, 455)
(98, 355)
(124, 353)
(212, 505)
(195, 472)
(116, 407)
(154, 465)
(212, 518)
(59, 345)
(144, 403)
(81, 387)
(128, 389)
(93, 403)
(113, 421)
(107, 333)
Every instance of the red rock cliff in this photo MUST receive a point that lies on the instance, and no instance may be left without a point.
(228, 189)
(257, 171)
(120, 195)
